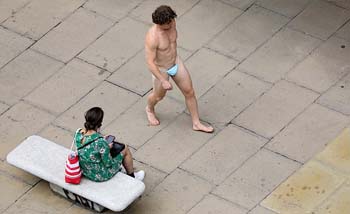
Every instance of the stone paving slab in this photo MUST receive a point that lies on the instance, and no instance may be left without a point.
(19, 122)
(11, 190)
(11, 45)
(183, 53)
(344, 32)
(113, 9)
(172, 196)
(230, 97)
(39, 16)
(304, 190)
(320, 19)
(289, 8)
(10, 7)
(249, 31)
(116, 46)
(105, 95)
(10, 171)
(134, 75)
(166, 150)
(144, 10)
(341, 3)
(65, 41)
(3, 108)
(324, 67)
(281, 53)
(40, 199)
(338, 97)
(260, 210)
(338, 203)
(58, 135)
(24, 74)
(134, 121)
(241, 4)
(206, 68)
(153, 176)
(275, 109)
(197, 27)
(214, 204)
(309, 133)
(223, 154)
(76, 209)
(337, 153)
(75, 80)
(252, 182)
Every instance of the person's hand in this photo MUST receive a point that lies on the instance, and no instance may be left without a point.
(166, 85)
(110, 145)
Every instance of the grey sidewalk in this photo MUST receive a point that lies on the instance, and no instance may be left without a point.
(272, 76)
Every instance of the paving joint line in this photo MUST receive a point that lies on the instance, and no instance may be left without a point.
(49, 29)
(306, 33)
(331, 108)
(231, 202)
(34, 41)
(248, 106)
(128, 60)
(90, 10)
(41, 83)
(156, 133)
(39, 107)
(114, 23)
(89, 63)
(20, 53)
(22, 195)
(283, 155)
(11, 176)
(206, 44)
(15, 12)
(236, 7)
(276, 12)
(329, 166)
(301, 86)
(335, 4)
(47, 55)
(123, 87)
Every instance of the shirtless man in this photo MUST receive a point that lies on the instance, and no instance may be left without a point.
(163, 61)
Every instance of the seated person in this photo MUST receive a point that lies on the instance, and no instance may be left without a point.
(94, 151)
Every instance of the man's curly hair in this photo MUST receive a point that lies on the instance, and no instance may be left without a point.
(163, 15)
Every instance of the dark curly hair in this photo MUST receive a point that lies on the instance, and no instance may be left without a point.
(163, 15)
(93, 118)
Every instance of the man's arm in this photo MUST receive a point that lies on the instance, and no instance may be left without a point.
(151, 53)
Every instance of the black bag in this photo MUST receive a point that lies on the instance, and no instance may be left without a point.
(117, 148)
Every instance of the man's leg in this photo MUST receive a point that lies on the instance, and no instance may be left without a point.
(184, 82)
(153, 98)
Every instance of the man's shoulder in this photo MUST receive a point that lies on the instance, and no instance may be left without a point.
(151, 37)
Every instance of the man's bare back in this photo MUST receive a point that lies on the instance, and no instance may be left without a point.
(161, 55)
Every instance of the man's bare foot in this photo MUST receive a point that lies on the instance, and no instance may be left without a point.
(151, 116)
(202, 128)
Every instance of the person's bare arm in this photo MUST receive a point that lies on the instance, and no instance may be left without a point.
(151, 51)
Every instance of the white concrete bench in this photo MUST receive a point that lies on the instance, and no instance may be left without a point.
(46, 160)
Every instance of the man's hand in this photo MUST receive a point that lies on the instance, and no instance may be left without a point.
(166, 85)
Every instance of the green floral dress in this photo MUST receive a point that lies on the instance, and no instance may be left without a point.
(95, 159)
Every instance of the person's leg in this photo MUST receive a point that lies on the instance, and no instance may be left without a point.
(129, 167)
(127, 160)
(153, 98)
(184, 82)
